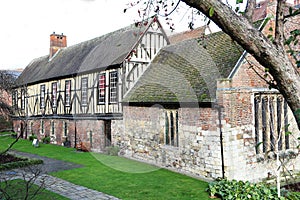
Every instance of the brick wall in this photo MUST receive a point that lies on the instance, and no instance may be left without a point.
(88, 132)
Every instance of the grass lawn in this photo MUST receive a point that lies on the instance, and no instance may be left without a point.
(117, 176)
(16, 190)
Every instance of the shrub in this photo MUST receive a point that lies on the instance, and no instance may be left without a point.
(234, 189)
(46, 140)
(67, 143)
(32, 137)
(14, 135)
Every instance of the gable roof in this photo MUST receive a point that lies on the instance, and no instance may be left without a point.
(186, 71)
(96, 54)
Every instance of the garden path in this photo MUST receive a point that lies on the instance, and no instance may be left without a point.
(54, 184)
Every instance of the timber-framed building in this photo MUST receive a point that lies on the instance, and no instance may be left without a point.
(74, 94)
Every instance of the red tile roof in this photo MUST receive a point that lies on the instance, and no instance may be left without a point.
(186, 35)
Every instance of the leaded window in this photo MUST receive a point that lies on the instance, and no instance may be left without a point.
(101, 88)
(52, 128)
(113, 86)
(54, 94)
(22, 99)
(84, 91)
(42, 127)
(65, 129)
(15, 99)
(67, 92)
(42, 96)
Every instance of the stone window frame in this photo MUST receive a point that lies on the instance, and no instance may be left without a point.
(101, 88)
(52, 133)
(84, 91)
(270, 122)
(113, 87)
(68, 93)
(171, 136)
(65, 129)
(42, 96)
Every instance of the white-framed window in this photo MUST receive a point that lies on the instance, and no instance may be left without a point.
(67, 92)
(42, 96)
(271, 123)
(54, 94)
(113, 87)
(171, 128)
(84, 91)
(101, 88)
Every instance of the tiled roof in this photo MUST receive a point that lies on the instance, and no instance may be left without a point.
(260, 12)
(186, 35)
(108, 50)
(186, 71)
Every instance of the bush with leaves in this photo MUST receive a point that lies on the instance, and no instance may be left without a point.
(46, 140)
(233, 189)
(32, 137)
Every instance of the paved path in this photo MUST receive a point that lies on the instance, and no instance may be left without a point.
(54, 184)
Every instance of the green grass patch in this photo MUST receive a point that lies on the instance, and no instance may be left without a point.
(124, 164)
(16, 189)
(120, 177)
(6, 133)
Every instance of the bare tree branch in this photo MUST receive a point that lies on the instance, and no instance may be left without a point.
(279, 25)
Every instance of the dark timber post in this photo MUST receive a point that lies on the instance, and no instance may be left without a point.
(221, 139)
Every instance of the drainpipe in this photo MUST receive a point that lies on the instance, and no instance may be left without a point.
(75, 110)
(221, 139)
(75, 142)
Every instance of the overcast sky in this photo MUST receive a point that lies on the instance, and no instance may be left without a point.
(27, 24)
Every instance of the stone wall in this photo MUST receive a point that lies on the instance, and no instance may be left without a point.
(198, 152)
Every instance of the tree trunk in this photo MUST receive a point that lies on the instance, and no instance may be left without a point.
(268, 54)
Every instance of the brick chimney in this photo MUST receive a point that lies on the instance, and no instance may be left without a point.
(57, 42)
